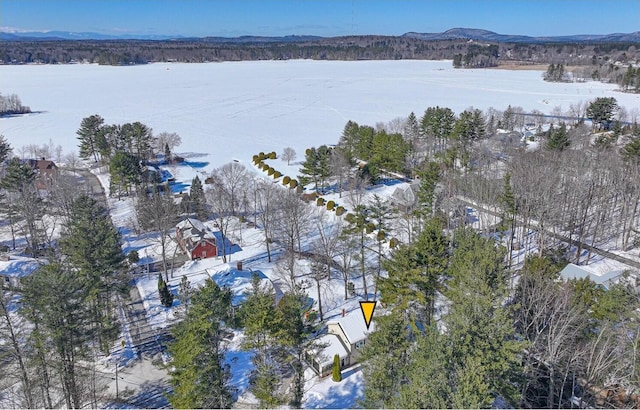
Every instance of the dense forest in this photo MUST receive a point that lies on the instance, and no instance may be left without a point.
(589, 61)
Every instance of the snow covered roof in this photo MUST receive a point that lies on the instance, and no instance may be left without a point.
(572, 271)
(18, 267)
(332, 346)
(353, 326)
(194, 229)
(239, 281)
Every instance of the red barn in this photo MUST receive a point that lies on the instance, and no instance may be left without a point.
(196, 240)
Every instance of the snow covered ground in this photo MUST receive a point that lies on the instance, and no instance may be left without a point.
(236, 109)
(231, 111)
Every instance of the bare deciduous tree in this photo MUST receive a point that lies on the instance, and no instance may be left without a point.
(288, 154)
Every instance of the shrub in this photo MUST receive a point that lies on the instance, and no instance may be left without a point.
(166, 297)
(286, 180)
(270, 171)
(132, 257)
(277, 175)
(351, 288)
(336, 375)
(272, 155)
(340, 210)
(265, 167)
(320, 201)
(370, 227)
(331, 205)
(381, 236)
(293, 183)
(256, 159)
(262, 156)
(393, 242)
(350, 218)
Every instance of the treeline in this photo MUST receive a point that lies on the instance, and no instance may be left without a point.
(469, 54)
(125, 149)
(628, 78)
(11, 105)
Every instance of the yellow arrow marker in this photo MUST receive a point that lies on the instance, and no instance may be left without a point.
(367, 309)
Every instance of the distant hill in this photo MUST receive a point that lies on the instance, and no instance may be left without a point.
(453, 34)
(490, 36)
(68, 35)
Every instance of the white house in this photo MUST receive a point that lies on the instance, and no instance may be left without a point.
(14, 268)
(330, 345)
(347, 335)
(572, 271)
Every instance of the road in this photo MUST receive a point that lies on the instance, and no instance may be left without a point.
(593, 249)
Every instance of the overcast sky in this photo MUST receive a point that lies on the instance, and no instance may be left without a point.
(323, 18)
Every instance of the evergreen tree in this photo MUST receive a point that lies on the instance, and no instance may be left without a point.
(125, 172)
(429, 178)
(601, 111)
(482, 350)
(290, 332)
(197, 199)
(437, 124)
(166, 297)
(5, 149)
(385, 360)
(199, 376)
(414, 272)
(558, 138)
(631, 151)
(88, 132)
(336, 375)
(389, 151)
(91, 246)
(55, 301)
(356, 229)
(427, 383)
(349, 140)
(167, 155)
(256, 315)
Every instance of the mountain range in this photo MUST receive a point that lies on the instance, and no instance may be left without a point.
(453, 34)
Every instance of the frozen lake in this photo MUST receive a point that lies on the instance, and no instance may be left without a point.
(236, 109)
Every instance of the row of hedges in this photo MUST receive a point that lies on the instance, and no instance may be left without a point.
(259, 159)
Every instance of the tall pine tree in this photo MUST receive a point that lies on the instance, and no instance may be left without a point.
(199, 376)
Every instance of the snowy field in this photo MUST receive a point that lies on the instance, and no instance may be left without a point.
(236, 109)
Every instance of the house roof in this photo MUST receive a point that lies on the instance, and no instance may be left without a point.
(353, 326)
(18, 266)
(332, 346)
(42, 164)
(406, 194)
(572, 271)
(239, 281)
(194, 229)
